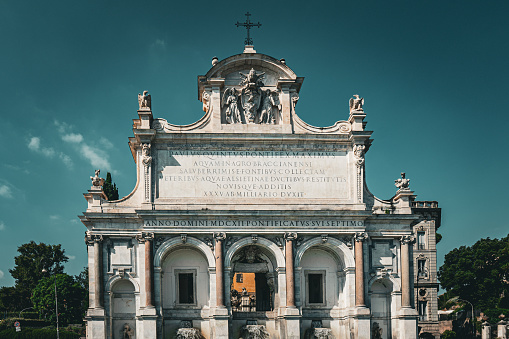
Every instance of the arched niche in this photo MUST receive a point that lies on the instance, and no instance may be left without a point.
(252, 276)
(176, 243)
(123, 308)
(336, 247)
(381, 306)
(185, 280)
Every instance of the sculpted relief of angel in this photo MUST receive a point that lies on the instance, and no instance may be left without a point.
(270, 108)
(231, 101)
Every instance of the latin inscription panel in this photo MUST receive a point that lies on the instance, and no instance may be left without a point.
(252, 174)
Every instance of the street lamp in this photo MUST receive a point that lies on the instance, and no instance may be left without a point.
(56, 300)
(473, 315)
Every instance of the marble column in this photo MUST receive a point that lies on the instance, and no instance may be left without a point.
(96, 240)
(290, 277)
(405, 270)
(359, 268)
(149, 272)
(147, 240)
(218, 251)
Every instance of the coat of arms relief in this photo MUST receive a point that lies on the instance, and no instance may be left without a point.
(250, 102)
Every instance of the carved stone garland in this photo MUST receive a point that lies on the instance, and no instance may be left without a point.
(358, 152)
(147, 161)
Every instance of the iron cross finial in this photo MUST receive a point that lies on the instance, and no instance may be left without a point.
(248, 24)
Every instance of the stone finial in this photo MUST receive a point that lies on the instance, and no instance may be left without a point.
(356, 104)
(215, 60)
(402, 183)
(96, 181)
(283, 61)
(144, 101)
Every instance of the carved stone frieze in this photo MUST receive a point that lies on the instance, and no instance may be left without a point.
(183, 238)
(159, 240)
(146, 159)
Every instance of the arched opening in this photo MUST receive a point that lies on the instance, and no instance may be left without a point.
(123, 310)
(253, 282)
(381, 292)
(185, 280)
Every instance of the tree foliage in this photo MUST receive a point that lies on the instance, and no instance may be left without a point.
(27, 272)
(70, 298)
(110, 189)
(478, 273)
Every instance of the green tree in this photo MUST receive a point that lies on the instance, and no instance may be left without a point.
(82, 280)
(110, 189)
(27, 272)
(8, 299)
(478, 273)
(70, 295)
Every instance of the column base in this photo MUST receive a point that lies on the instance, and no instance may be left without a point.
(408, 323)
(96, 327)
(220, 323)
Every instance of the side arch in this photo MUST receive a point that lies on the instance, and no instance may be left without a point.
(263, 242)
(336, 246)
(112, 280)
(176, 242)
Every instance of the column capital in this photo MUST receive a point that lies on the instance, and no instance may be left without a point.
(90, 238)
(144, 236)
(290, 236)
(407, 239)
(219, 236)
(360, 236)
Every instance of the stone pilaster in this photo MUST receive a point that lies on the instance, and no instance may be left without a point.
(359, 268)
(147, 169)
(405, 270)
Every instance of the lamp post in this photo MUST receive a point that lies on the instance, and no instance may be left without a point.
(473, 315)
(56, 300)
(23, 310)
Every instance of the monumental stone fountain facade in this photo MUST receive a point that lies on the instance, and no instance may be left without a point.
(252, 223)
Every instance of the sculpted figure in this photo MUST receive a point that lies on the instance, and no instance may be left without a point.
(376, 332)
(96, 181)
(251, 93)
(231, 100)
(356, 103)
(144, 100)
(127, 332)
(270, 108)
(402, 183)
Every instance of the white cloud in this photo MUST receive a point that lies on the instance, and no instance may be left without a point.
(35, 145)
(72, 138)
(62, 126)
(2, 226)
(71, 257)
(73, 221)
(160, 43)
(5, 191)
(1, 274)
(97, 157)
(54, 217)
(105, 143)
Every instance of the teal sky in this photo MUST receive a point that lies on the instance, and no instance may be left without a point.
(434, 75)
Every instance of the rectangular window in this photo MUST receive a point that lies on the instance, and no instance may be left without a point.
(421, 268)
(240, 278)
(422, 310)
(315, 282)
(421, 244)
(186, 294)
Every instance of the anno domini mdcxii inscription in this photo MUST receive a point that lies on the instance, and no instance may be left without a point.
(252, 174)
